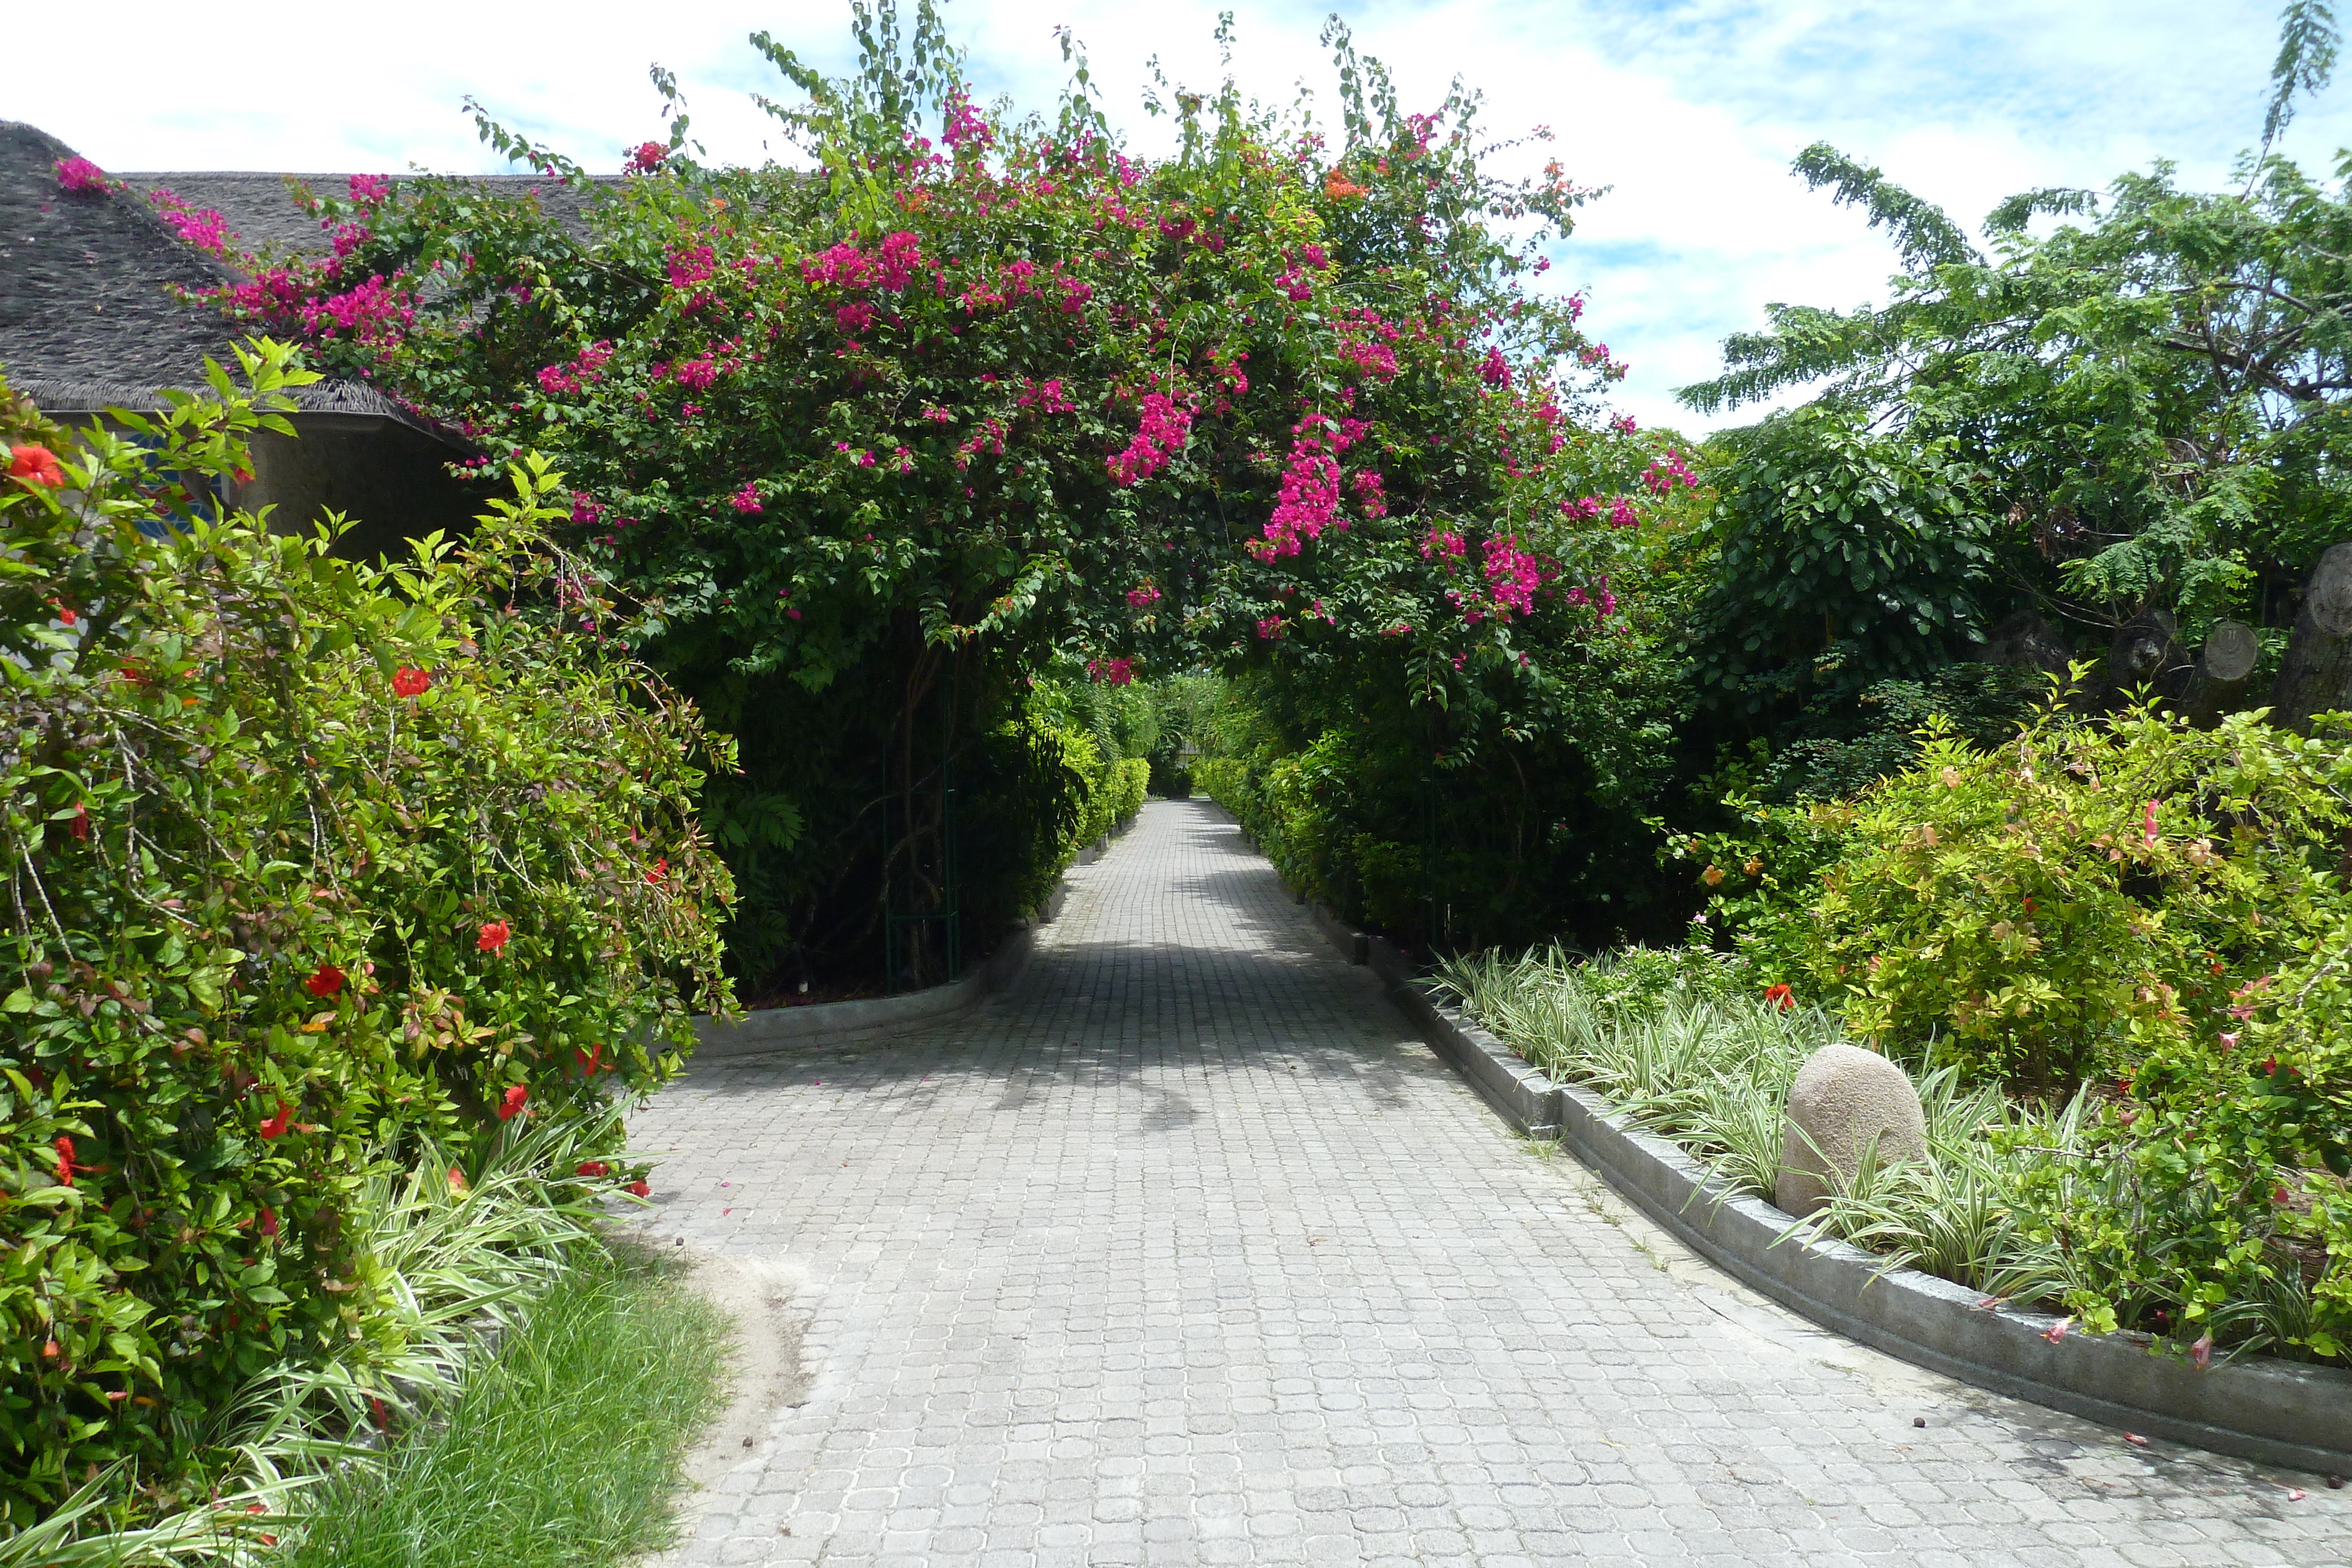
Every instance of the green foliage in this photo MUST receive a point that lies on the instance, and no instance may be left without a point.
(2144, 396)
(561, 1452)
(1841, 558)
(2125, 902)
(311, 866)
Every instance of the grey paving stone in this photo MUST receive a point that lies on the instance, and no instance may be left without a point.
(1185, 1251)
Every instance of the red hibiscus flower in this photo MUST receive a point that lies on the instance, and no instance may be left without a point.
(590, 1060)
(35, 465)
(325, 980)
(510, 1105)
(64, 1160)
(79, 826)
(493, 938)
(411, 681)
(268, 1222)
(1781, 997)
(660, 873)
(595, 1168)
(274, 1126)
(638, 1189)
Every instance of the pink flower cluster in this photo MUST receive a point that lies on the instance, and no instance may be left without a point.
(1270, 628)
(1309, 499)
(1143, 597)
(1667, 472)
(1512, 575)
(1372, 493)
(371, 190)
(1493, 369)
(1046, 396)
(372, 312)
(988, 438)
(1621, 514)
(688, 268)
(645, 158)
(854, 317)
(1111, 672)
(1076, 292)
(695, 375)
(1622, 424)
(1165, 426)
(80, 174)
(199, 226)
(588, 365)
(747, 499)
(965, 128)
(893, 266)
(1584, 508)
(1440, 541)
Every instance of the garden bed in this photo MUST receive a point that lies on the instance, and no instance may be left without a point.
(1942, 1264)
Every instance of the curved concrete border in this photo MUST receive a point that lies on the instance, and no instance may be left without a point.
(2275, 1411)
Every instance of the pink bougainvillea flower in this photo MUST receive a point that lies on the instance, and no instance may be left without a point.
(325, 980)
(747, 499)
(1137, 598)
(493, 938)
(646, 157)
(80, 174)
(511, 1102)
(35, 465)
(2201, 1352)
(410, 682)
(274, 1126)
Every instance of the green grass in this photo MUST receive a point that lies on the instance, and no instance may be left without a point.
(561, 1452)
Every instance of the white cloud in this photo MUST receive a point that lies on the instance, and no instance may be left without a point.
(1690, 108)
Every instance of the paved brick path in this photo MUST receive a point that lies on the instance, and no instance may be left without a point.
(1184, 1252)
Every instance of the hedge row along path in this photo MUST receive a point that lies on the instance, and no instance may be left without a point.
(1183, 1251)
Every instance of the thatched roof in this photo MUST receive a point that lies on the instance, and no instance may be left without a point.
(88, 319)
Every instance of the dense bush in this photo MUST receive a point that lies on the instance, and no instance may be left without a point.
(2153, 911)
(311, 867)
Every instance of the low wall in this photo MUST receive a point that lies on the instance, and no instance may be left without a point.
(779, 1028)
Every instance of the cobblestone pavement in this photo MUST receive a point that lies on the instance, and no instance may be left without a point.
(1184, 1252)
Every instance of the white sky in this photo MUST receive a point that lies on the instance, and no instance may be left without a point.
(1691, 110)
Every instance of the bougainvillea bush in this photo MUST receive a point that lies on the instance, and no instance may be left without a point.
(974, 395)
(313, 868)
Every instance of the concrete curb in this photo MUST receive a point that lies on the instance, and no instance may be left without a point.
(2274, 1412)
(781, 1028)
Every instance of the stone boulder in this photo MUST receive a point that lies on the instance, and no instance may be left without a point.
(1844, 1098)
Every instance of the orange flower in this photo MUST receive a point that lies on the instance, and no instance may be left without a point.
(1339, 187)
(410, 682)
(35, 465)
(493, 938)
(1783, 996)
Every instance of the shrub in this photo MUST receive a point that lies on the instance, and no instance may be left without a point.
(2154, 911)
(311, 865)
